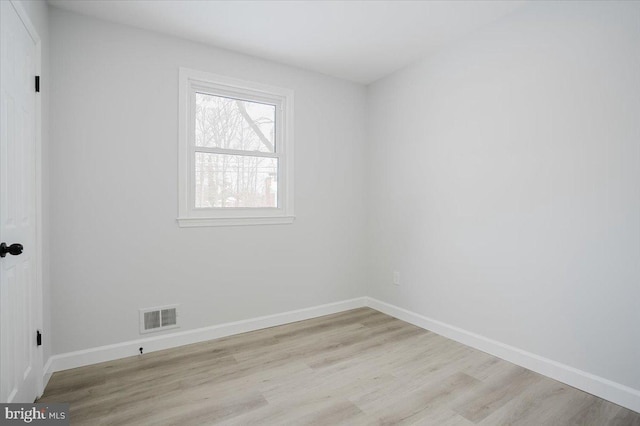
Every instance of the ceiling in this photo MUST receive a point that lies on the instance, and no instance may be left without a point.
(361, 41)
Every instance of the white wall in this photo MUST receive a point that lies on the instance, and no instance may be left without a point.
(504, 179)
(117, 247)
(38, 12)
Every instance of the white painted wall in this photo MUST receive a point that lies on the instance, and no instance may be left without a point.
(117, 246)
(38, 12)
(504, 178)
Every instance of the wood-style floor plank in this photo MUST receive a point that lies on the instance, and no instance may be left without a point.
(359, 367)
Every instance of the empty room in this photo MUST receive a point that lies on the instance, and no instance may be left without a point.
(320, 212)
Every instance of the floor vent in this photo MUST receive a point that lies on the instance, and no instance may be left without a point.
(158, 319)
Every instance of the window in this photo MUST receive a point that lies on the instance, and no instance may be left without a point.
(236, 152)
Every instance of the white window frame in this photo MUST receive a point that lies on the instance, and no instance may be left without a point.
(192, 81)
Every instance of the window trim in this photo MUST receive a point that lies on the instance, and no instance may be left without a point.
(188, 215)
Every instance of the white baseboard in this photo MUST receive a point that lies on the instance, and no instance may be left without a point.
(99, 354)
(599, 386)
(47, 372)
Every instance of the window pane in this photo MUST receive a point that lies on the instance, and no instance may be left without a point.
(234, 124)
(235, 181)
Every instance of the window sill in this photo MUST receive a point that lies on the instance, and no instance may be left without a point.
(192, 222)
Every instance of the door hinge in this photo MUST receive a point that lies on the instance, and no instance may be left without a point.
(38, 338)
(37, 84)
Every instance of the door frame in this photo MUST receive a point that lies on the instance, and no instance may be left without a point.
(38, 299)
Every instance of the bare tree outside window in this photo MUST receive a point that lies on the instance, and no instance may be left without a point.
(240, 180)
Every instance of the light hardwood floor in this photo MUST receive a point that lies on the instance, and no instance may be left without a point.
(358, 367)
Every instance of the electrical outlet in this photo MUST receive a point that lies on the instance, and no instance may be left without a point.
(396, 278)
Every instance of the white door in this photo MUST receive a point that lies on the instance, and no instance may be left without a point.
(19, 361)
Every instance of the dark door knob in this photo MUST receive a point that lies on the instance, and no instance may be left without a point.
(14, 249)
